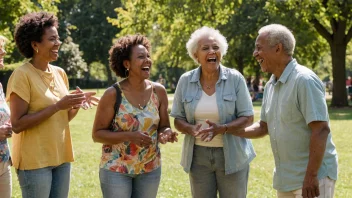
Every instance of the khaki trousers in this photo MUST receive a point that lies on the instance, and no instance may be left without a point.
(5, 180)
(326, 189)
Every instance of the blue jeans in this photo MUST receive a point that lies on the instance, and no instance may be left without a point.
(52, 181)
(114, 184)
(207, 175)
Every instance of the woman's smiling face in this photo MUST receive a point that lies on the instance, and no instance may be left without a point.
(208, 53)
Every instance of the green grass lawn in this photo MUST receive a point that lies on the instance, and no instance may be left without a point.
(174, 182)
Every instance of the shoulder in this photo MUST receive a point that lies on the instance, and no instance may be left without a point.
(159, 89)
(305, 76)
(109, 96)
(232, 74)
(58, 69)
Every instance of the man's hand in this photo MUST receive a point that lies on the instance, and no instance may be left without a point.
(310, 187)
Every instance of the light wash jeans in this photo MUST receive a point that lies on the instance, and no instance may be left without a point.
(5, 179)
(48, 182)
(207, 175)
(121, 185)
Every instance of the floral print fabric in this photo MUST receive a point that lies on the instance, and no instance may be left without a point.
(128, 157)
(4, 118)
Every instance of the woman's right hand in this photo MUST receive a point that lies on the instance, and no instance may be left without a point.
(142, 139)
(5, 131)
(70, 101)
(194, 130)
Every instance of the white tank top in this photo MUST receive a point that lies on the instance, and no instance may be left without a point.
(207, 108)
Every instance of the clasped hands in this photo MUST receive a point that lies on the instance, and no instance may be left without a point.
(207, 134)
(78, 99)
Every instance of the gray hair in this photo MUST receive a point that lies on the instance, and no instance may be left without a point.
(192, 44)
(279, 34)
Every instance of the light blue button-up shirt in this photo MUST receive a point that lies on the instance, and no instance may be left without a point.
(289, 105)
(233, 101)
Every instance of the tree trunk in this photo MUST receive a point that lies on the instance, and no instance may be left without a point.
(338, 56)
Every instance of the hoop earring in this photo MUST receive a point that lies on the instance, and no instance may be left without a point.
(127, 73)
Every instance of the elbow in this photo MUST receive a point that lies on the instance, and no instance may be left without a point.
(16, 128)
(95, 136)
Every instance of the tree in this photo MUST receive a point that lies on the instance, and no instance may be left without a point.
(169, 24)
(332, 19)
(12, 10)
(86, 22)
(71, 59)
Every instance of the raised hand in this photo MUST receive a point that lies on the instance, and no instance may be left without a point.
(70, 101)
(90, 99)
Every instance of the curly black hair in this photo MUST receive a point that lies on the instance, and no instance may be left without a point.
(31, 28)
(122, 50)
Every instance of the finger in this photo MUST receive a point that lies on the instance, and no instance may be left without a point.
(304, 193)
(90, 93)
(317, 192)
(209, 122)
(203, 136)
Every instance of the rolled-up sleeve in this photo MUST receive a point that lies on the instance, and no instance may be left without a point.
(178, 110)
(244, 105)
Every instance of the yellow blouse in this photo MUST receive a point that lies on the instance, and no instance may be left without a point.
(49, 143)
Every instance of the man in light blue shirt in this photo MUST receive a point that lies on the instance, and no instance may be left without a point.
(294, 114)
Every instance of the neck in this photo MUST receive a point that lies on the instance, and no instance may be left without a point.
(281, 66)
(138, 85)
(39, 64)
(209, 76)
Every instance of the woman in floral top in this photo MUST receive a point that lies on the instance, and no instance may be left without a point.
(130, 163)
(5, 132)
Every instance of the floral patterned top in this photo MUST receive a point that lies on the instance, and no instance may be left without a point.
(4, 118)
(128, 157)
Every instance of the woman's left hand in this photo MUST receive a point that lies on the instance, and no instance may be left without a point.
(207, 134)
(167, 136)
(90, 101)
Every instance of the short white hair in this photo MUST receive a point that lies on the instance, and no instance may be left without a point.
(280, 34)
(192, 44)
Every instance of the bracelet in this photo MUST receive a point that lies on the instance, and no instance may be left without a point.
(225, 128)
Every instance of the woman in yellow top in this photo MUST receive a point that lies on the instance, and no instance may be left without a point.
(41, 109)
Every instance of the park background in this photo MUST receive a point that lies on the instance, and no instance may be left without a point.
(88, 28)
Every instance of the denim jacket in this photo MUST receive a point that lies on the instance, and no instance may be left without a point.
(233, 101)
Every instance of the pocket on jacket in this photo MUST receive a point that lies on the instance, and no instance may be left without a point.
(230, 103)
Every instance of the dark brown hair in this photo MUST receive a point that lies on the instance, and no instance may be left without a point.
(122, 50)
(31, 28)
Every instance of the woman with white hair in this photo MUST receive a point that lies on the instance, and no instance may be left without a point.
(5, 132)
(211, 102)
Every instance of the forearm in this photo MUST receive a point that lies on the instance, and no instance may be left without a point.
(239, 124)
(72, 113)
(30, 120)
(183, 126)
(108, 137)
(256, 130)
(316, 151)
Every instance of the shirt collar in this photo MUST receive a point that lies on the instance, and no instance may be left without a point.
(287, 71)
(223, 74)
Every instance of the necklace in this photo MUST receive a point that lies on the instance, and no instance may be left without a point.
(49, 81)
(140, 106)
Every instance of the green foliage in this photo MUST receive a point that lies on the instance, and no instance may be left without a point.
(86, 22)
(12, 10)
(169, 24)
(71, 59)
(97, 71)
